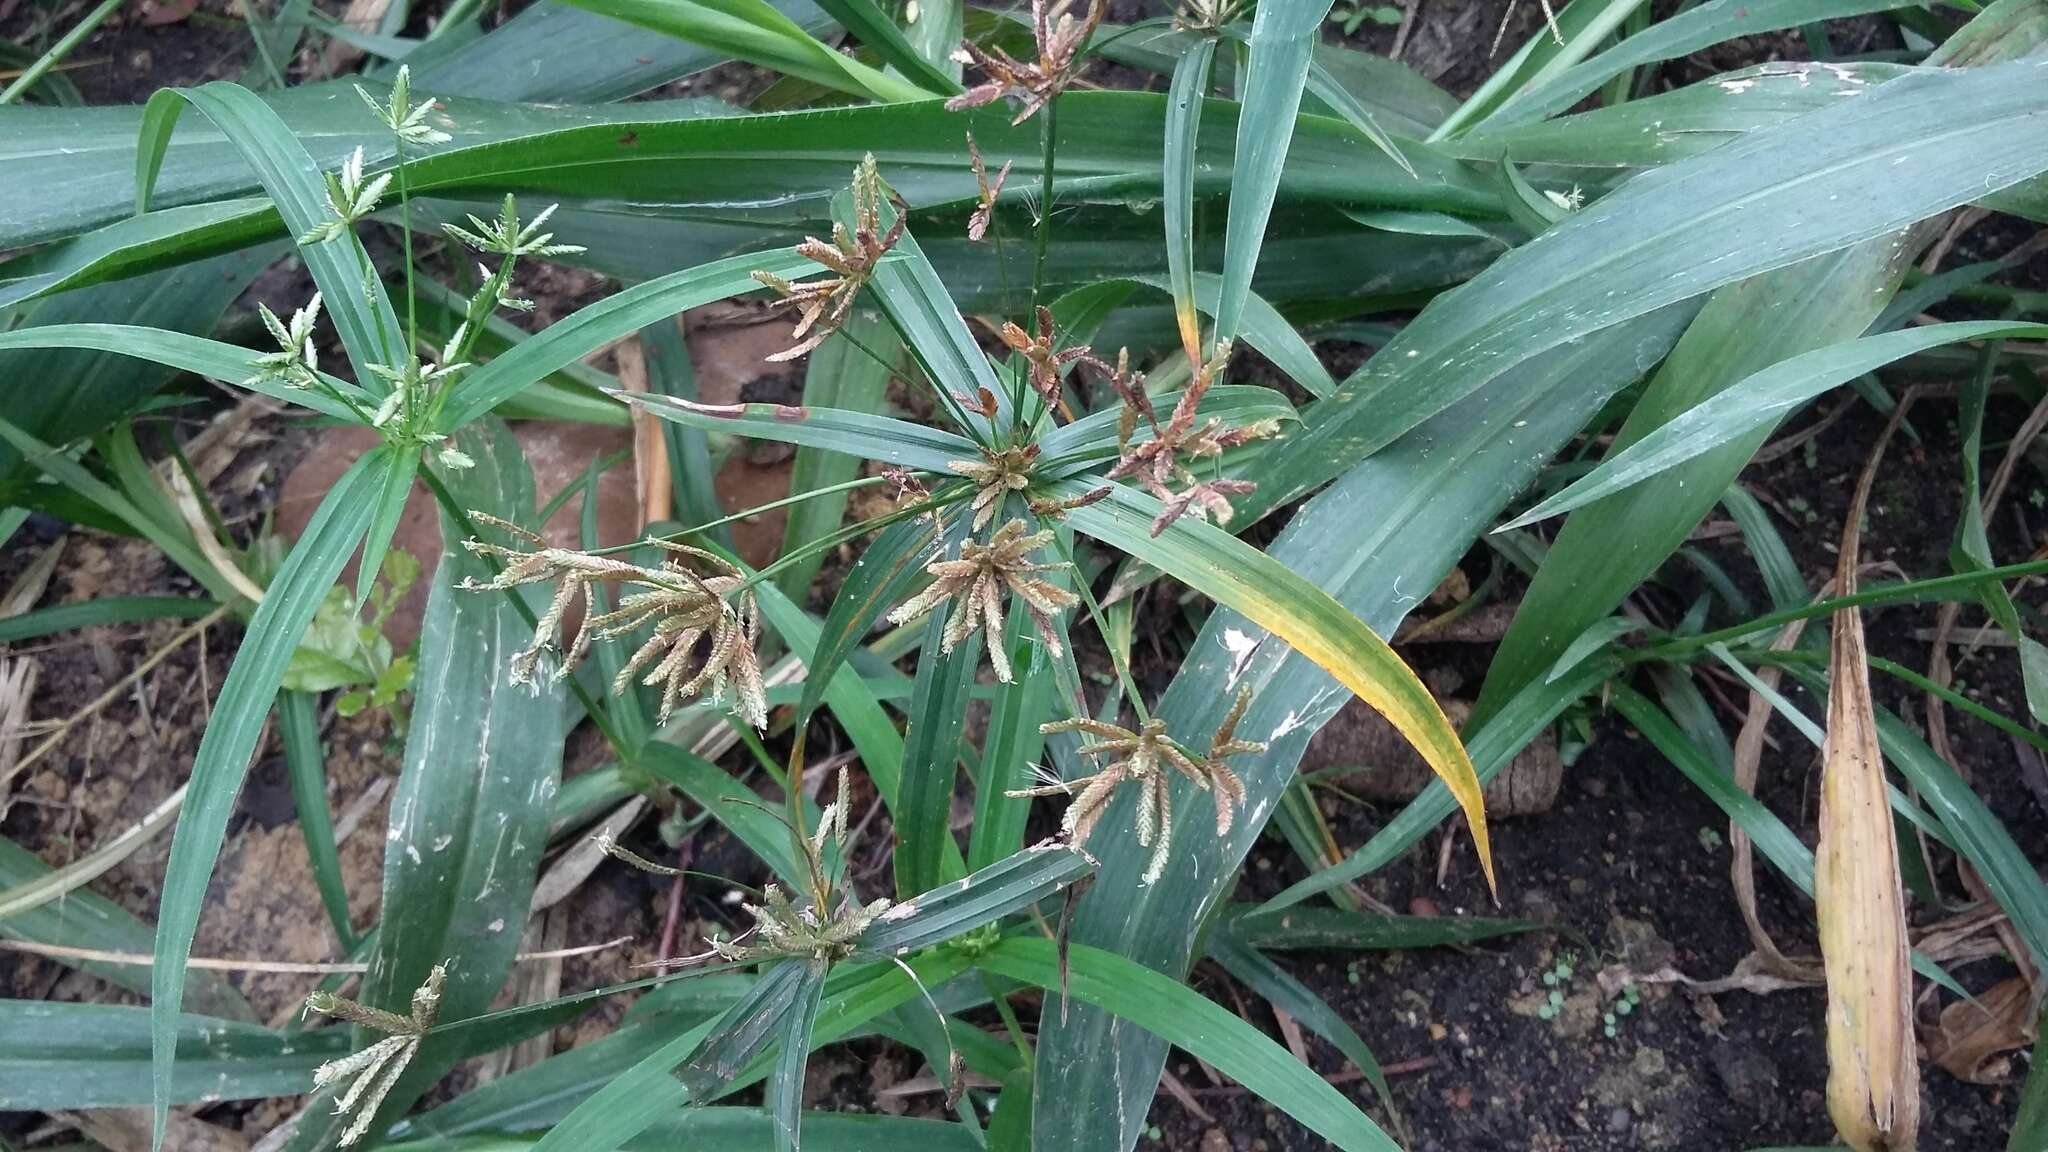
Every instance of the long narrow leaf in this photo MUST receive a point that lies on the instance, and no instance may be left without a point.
(1176, 1014)
(230, 738)
(1761, 398)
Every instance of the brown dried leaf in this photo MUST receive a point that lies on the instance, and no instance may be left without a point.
(1873, 1068)
(1969, 1038)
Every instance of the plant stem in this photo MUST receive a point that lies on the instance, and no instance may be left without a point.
(412, 325)
(1009, 1015)
(772, 505)
(1048, 145)
(1990, 716)
(841, 536)
(1123, 671)
(1911, 591)
(460, 515)
(62, 48)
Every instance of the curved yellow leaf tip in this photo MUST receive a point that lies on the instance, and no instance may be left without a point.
(1388, 686)
(1438, 742)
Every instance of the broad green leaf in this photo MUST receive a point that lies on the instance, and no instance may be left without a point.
(539, 1095)
(1855, 171)
(79, 391)
(631, 1101)
(916, 301)
(195, 354)
(853, 701)
(749, 1129)
(754, 31)
(1760, 399)
(482, 764)
(1605, 550)
(1260, 325)
(360, 308)
(1971, 549)
(1344, 103)
(1395, 94)
(399, 472)
(229, 742)
(753, 820)
(2030, 1129)
(876, 30)
(783, 1098)
(1779, 844)
(56, 1055)
(1672, 126)
(177, 545)
(670, 373)
(1178, 1015)
(1688, 32)
(1286, 994)
(1292, 928)
(1012, 744)
(1561, 41)
(748, 1028)
(1302, 616)
(1774, 561)
(1009, 1124)
(714, 167)
(1376, 540)
(882, 578)
(1419, 223)
(85, 919)
(591, 59)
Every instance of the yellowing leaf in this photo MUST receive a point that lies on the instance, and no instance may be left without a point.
(1233, 573)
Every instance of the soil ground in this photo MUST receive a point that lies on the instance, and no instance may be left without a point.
(1630, 864)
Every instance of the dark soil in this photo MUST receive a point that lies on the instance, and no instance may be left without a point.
(1631, 865)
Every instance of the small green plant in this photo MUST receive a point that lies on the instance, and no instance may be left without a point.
(1709, 838)
(1353, 16)
(345, 646)
(1624, 1004)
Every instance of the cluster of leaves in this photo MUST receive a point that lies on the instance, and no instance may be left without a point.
(1689, 290)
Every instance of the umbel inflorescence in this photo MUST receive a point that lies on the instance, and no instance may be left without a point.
(1142, 758)
(706, 624)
